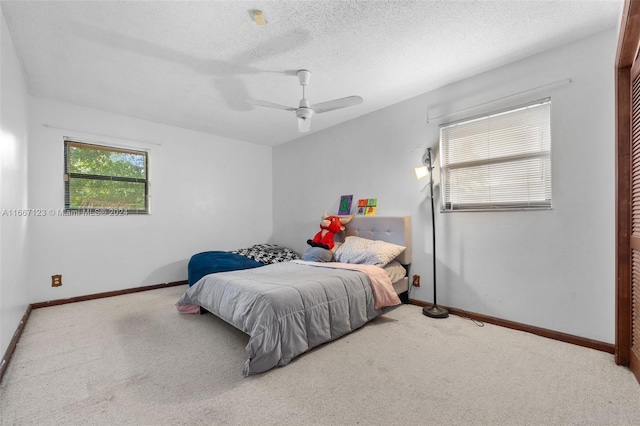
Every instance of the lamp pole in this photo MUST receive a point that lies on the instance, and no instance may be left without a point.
(433, 311)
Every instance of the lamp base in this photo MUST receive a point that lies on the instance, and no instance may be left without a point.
(435, 311)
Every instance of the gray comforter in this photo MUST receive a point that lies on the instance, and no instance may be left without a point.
(285, 308)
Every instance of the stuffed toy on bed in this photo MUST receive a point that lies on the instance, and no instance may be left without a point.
(329, 227)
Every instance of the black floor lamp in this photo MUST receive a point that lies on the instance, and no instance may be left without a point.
(433, 311)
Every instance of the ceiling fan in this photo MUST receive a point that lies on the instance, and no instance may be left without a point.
(305, 111)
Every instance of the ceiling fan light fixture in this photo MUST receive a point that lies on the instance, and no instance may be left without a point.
(304, 125)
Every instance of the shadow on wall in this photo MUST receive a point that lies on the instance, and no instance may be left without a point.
(175, 271)
(452, 287)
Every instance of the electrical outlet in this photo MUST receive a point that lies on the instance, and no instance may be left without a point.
(416, 281)
(56, 280)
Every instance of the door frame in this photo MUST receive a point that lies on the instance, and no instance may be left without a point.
(627, 52)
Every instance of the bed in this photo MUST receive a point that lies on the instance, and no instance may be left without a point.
(291, 307)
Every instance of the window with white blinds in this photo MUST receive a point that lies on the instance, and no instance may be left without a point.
(499, 161)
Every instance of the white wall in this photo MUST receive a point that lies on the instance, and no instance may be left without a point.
(552, 269)
(207, 193)
(14, 289)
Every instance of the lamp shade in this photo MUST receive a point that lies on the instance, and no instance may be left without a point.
(421, 172)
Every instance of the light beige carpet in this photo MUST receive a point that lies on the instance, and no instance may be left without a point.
(134, 360)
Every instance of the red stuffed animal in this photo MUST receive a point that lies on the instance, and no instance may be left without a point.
(329, 226)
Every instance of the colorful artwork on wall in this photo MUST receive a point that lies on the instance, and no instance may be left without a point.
(345, 205)
(367, 206)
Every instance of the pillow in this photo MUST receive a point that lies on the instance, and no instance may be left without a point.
(368, 252)
(317, 254)
(268, 253)
(395, 271)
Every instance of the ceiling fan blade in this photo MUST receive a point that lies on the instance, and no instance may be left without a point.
(304, 125)
(268, 104)
(336, 104)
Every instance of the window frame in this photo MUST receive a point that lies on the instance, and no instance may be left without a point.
(106, 210)
(446, 206)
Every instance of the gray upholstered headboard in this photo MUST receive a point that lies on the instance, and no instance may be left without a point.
(392, 229)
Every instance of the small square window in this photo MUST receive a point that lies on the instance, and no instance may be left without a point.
(101, 177)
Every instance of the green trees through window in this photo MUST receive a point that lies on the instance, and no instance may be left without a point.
(100, 177)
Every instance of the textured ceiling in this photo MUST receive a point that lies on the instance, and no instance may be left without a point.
(191, 64)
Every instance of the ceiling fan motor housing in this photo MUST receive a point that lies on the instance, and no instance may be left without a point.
(304, 112)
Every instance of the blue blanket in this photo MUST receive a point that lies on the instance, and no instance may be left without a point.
(208, 262)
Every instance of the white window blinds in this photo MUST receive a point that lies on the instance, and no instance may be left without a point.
(498, 161)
